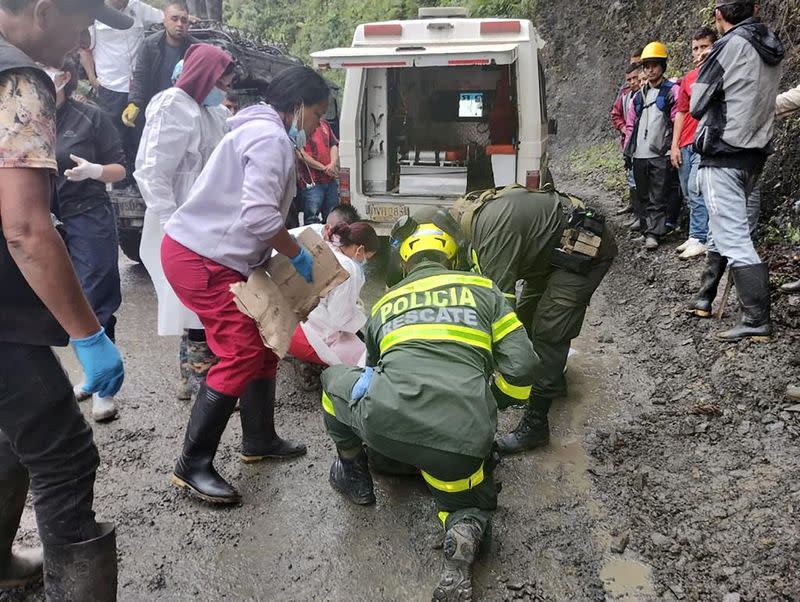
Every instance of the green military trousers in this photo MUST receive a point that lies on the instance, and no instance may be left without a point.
(462, 486)
(552, 310)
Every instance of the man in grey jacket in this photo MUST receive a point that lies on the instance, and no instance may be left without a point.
(734, 100)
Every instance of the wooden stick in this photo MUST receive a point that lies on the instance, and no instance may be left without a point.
(725, 294)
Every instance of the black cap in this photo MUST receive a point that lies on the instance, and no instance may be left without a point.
(100, 11)
(721, 3)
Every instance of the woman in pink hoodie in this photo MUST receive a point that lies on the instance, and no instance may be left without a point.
(230, 223)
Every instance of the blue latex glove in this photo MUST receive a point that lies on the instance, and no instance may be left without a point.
(302, 262)
(102, 365)
(362, 384)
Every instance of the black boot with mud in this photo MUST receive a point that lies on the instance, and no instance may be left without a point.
(700, 306)
(752, 286)
(195, 470)
(532, 431)
(351, 478)
(83, 571)
(21, 568)
(461, 543)
(257, 413)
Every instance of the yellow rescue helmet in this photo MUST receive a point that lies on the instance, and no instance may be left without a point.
(654, 51)
(428, 237)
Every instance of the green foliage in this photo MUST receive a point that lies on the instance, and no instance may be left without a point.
(601, 163)
(310, 25)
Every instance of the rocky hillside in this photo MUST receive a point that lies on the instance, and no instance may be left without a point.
(589, 43)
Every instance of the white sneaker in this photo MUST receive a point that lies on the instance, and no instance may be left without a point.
(682, 247)
(103, 408)
(80, 394)
(695, 249)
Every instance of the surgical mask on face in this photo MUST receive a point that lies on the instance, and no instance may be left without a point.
(176, 72)
(215, 98)
(362, 263)
(297, 133)
(59, 78)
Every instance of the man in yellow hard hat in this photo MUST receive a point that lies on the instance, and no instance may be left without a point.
(444, 349)
(649, 147)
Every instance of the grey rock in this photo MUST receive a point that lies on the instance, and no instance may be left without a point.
(733, 597)
(660, 540)
(620, 542)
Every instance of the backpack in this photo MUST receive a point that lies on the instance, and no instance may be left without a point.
(664, 100)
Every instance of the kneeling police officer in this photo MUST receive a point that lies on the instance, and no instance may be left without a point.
(444, 349)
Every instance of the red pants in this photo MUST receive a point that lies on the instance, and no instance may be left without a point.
(301, 349)
(203, 286)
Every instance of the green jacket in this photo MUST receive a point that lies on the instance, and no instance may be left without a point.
(436, 339)
(514, 235)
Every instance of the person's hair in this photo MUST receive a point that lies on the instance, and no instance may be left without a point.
(357, 233)
(701, 33)
(14, 6)
(632, 67)
(295, 86)
(70, 65)
(736, 13)
(179, 4)
(346, 213)
(429, 255)
(229, 69)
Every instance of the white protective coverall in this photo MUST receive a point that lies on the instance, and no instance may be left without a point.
(331, 328)
(178, 139)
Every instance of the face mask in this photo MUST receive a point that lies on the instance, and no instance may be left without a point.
(176, 72)
(298, 134)
(362, 263)
(214, 98)
(58, 77)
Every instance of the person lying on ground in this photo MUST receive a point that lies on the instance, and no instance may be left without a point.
(328, 337)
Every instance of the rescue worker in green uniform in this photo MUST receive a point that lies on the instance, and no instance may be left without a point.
(444, 349)
(516, 234)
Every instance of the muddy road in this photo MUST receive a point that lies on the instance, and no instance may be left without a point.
(666, 442)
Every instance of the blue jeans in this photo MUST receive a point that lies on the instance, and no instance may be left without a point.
(698, 214)
(320, 198)
(91, 239)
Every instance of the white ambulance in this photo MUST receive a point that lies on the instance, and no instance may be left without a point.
(438, 106)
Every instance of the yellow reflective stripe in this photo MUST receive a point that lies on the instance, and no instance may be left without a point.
(476, 266)
(510, 296)
(505, 325)
(522, 393)
(443, 517)
(471, 481)
(437, 332)
(327, 404)
(431, 282)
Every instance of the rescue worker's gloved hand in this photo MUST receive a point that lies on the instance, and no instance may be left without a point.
(102, 365)
(130, 114)
(303, 263)
(362, 384)
(83, 170)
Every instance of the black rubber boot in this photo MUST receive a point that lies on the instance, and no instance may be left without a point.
(632, 203)
(752, 286)
(532, 431)
(709, 283)
(257, 412)
(461, 544)
(353, 480)
(85, 571)
(195, 469)
(22, 568)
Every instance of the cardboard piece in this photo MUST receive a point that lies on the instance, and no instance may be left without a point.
(278, 298)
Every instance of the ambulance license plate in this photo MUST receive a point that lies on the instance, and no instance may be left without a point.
(386, 212)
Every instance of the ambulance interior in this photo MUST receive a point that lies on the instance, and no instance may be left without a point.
(431, 131)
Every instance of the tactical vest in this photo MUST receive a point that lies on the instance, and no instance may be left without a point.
(23, 317)
(466, 207)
